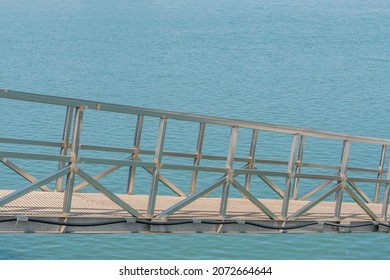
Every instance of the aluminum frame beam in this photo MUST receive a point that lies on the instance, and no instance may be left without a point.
(136, 146)
(251, 158)
(380, 172)
(291, 176)
(74, 151)
(198, 153)
(94, 105)
(65, 143)
(156, 170)
(230, 173)
(386, 196)
(343, 179)
(298, 166)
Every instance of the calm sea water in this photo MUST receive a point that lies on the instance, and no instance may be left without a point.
(317, 64)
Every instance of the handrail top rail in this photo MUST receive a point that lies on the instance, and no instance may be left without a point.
(128, 109)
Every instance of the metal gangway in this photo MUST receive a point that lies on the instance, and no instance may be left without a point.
(291, 195)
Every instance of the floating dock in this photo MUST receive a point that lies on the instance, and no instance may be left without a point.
(289, 195)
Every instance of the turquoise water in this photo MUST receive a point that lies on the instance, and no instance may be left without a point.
(317, 64)
(194, 247)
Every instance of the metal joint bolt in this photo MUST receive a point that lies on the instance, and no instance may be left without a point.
(130, 220)
(21, 219)
(291, 175)
(74, 168)
(342, 177)
(64, 144)
(73, 157)
(229, 176)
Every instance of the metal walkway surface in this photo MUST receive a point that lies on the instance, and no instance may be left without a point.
(227, 192)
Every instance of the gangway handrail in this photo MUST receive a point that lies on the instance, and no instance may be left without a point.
(127, 109)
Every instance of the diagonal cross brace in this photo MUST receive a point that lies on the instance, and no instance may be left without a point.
(98, 176)
(22, 173)
(108, 193)
(316, 189)
(167, 183)
(254, 200)
(33, 186)
(359, 191)
(183, 203)
(313, 203)
(274, 187)
(361, 204)
(108, 171)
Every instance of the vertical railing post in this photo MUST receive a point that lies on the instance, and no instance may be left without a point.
(290, 178)
(385, 203)
(343, 177)
(65, 143)
(156, 170)
(230, 172)
(251, 159)
(74, 151)
(198, 154)
(298, 166)
(380, 172)
(137, 142)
